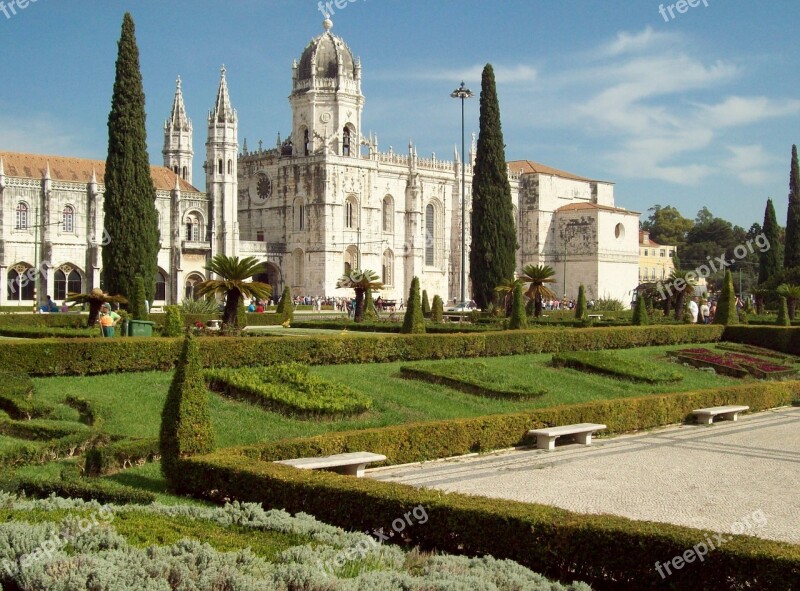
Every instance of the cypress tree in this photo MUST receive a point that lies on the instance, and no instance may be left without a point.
(413, 321)
(137, 304)
(769, 262)
(426, 306)
(792, 246)
(494, 239)
(518, 318)
(783, 313)
(640, 317)
(580, 307)
(285, 306)
(185, 420)
(726, 306)
(129, 211)
(437, 309)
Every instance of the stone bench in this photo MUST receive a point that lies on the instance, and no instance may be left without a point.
(351, 464)
(705, 416)
(598, 316)
(546, 438)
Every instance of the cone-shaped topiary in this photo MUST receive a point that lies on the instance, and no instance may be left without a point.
(173, 321)
(518, 318)
(580, 307)
(137, 304)
(530, 307)
(370, 312)
(426, 305)
(285, 306)
(413, 322)
(640, 317)
(185, 421)
(726, 307)
(783, 313)
(437, 309)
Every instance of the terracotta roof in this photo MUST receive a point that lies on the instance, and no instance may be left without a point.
(79, 170)
(530, 167)
(651, 242)
(580, 206)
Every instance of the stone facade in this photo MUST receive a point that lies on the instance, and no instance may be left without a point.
(322, 202)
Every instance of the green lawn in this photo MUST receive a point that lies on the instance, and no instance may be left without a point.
(130, 404)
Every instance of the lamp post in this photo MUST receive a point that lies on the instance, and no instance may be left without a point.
(462, 92)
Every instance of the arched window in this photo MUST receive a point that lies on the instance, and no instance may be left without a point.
(161, 287)
(185, 173)
(21, 283)
(68, 219)
(388, 214)
(306, 144)
(299, 267)
(430, 234)
(350, 213)
(175, 169)
(191, 283)
(66, 281)
(350, 259)
(192, 228)
(22, 216)
(299, 214)
(346, 141)
(230, 166)
(219, 166)
(388, 267)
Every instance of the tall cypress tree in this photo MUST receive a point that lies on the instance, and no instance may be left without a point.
(129, 205)
(792, 245)
(494, 238)
(769, 262)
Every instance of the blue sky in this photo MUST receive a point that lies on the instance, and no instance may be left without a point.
(699, 109)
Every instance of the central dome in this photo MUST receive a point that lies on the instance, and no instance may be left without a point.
(325, 55)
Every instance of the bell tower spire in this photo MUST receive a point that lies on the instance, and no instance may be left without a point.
(178, 151)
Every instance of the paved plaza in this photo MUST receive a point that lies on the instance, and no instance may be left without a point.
(706, 477)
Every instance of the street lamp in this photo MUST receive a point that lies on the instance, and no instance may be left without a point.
(462, 92)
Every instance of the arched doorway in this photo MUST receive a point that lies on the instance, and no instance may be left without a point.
(274, 277)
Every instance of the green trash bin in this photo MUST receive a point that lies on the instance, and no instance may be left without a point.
(140, 328)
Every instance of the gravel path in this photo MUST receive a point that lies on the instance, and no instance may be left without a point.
(710, 478)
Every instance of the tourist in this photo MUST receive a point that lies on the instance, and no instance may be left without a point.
(694, 310)
(259, 308)
(712, 312)
(704, 312)
(64, 307)
(252, 306)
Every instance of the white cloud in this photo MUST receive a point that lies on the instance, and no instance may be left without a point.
(39, 134)
(627, 42)
(748, 164)
(737, 110)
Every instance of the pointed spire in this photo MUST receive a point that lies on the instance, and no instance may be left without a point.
(178, 120)
(244, 147)
(47, 176)
(223, 112)
(2, 174)
(94, 177)
(456, 157)
(177, 184)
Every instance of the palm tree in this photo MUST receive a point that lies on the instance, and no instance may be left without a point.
(233, 274)
(95, 298)
(359, 281)
(537, 276)
(680, 278)
(792, 293)
(506, 288)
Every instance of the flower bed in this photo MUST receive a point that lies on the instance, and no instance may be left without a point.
(738, 365)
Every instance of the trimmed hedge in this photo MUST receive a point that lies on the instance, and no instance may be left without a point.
(554, 542)
(288, 388)
(35, 332)
(16, 397)
(777, 338)
(416, 442)
(120, 455)
(40, 453)
(97, 356)
(614, 365)
(102, 491)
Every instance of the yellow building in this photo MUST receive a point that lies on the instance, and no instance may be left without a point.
(655, 260)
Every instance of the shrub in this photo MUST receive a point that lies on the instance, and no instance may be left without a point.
(614, 365)
(370, 313)
(472, 378)
(102, 491)
(426, 306)
(241, 314)
(285, 306)
(137, 306)
(16, 397)
(173, 322)
(185, 421)
(726, 306)
(783, 313)
(640, 317)
(580, 307)
(413, 322)
(437, 309)
(609, 305)
(88, 413)
(204, 306)
(289, 389)
(120, 455)
(518, 318)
